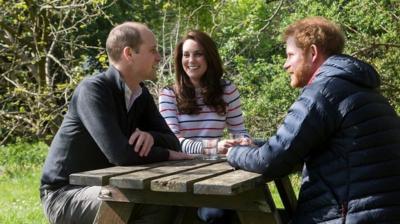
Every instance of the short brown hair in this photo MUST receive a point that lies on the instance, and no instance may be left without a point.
(211, 81)
(124, 35)
(324, 34)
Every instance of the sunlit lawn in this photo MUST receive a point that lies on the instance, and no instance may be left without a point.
(19, 198)
(20, 168)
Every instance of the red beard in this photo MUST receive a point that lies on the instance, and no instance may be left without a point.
(301, 76)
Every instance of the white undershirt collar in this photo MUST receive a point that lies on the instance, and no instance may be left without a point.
(131, 96)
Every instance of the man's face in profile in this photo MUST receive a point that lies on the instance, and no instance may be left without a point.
(147, 59)
(298, 64)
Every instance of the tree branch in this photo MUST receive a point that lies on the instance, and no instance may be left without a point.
(387, 45)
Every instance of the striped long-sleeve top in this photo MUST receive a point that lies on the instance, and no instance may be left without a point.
(190, 129)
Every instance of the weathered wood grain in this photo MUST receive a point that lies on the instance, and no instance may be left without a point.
(183, 182)
(251, 200)
(229, 183)
(189, 183)
(141, 180)
(100, 177)
(113, 212)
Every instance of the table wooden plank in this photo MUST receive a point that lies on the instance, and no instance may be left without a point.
(100, 177)
(229, 183)
(251, 200)
(183, 182)
(141, 179)
(189, 183)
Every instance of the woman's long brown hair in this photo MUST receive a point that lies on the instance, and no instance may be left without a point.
(210, 82)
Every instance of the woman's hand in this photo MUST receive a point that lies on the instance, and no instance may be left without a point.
(225, 144)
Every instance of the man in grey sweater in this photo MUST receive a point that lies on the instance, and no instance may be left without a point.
(112, 120)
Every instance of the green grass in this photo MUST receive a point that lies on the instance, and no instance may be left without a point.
(20, 201)
(295, 179)
(20, 168)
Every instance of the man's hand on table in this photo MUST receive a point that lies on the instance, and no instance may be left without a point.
(142, 141)
(174, 155)
(228, 151)
(225, 145)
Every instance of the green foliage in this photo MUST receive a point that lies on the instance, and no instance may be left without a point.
(374, 37)
(266, 95)
(20, 169)
(44, 53)
(20, 201)
(47, 47)
(21, 158)
(243, 28)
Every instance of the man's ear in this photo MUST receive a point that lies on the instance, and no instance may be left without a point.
(314, 52)
(127, 53)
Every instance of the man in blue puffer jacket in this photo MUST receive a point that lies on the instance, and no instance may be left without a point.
(341, 128)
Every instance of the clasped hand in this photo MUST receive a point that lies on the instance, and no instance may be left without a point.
(225, 144)
(142, 141)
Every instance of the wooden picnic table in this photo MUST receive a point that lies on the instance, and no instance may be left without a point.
(187, 183)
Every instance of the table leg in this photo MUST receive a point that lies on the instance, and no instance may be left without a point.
(256, 217)
(113, 212)
(287, 195)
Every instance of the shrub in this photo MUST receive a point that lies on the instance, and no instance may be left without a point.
(21, 157)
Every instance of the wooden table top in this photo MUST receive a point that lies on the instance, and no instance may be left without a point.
(198, 176)
(188, 183)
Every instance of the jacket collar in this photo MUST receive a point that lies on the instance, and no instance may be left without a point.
(348, 68)
(114, 76)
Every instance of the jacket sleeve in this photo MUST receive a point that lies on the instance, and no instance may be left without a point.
(305, 129)
(155, 124)
(96, 109)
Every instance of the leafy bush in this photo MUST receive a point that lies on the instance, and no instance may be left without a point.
(46, 48)
(21, 158)
(266, 95)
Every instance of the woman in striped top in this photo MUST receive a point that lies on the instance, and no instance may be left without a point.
(190, 128)
(201, 104)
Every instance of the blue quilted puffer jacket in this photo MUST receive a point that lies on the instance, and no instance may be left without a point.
(348, 138)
